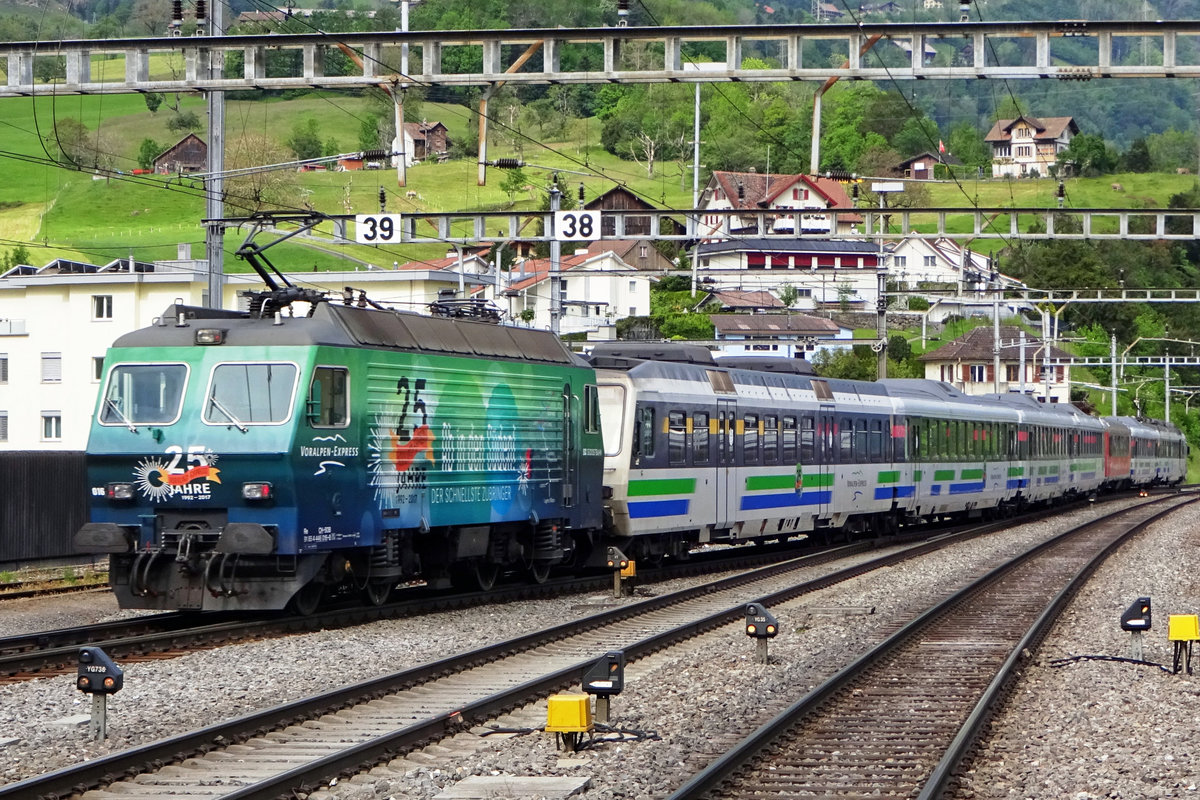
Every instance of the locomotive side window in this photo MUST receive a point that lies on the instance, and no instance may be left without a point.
(700, 452)
(143, 394)
(250, 394)
(676, 437)
(329, 398)
(591, 408)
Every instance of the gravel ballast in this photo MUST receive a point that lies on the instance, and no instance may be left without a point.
(1089, 729)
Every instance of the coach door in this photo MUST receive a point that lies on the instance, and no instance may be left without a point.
(726, 483)
(827, 448)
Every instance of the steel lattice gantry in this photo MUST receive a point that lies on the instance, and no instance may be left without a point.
(666, 54)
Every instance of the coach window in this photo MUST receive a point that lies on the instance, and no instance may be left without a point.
(876, 440)
(700, 438)
(846, 441)
(329, 398)
(770, 439)
(643, 435)
(861, 449)
(676, 438)
(750, 440)
(808, 440)
(789, 440)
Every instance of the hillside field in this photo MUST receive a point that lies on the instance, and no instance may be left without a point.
(62, 212)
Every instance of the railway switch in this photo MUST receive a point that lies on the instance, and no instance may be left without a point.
(99, 676)
(568, 717)
(604, 679)
(761, 625)
(1183, 630)
(1135, 620)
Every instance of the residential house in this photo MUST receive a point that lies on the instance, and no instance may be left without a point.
(57, 322)
(968, 364)
(637, 253)
(954, 279)
(1029, 146)
(619, 198)
(738, 301)
(784, 335)
(425, 140)
(774, 204)
(189, 154)
(924, 166)
(591, 299)
(825, 274)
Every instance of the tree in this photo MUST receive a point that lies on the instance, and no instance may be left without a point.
(966, 143)
(256, 191)
(1137, 157)
(305, 140)
(514, 182)
(148, 150)
(153, 100)
(16, 256)
(1087, 155)
(184, 121)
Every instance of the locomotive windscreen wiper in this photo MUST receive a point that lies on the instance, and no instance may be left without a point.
(215, 403)
(120, 414)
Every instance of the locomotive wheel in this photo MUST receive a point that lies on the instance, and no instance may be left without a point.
(486, 574)
(377, 592)
(539, 571)
(306, 601)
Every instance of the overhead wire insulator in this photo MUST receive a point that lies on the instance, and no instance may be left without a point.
(622, 13)
(201, 17)
(374, 155)
(507, 163)
(382, 200)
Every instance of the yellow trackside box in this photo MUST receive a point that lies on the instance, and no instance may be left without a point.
(569, 713)
(630, 571)
(1183, 627)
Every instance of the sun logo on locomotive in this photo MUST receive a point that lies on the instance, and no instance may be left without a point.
(158, 479)
(401, 442)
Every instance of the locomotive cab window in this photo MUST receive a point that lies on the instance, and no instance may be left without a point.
(143, 394)
(250, 394)
(329, 398)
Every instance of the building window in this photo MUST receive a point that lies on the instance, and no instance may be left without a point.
(51, 367)
(51, 426)
(900, 261)
(978, 373)
(3, 426)
(1012, 373)
(643, 252)
(102, 306)
(930, 261)
(632, 287)
(97, 367)
(3, 367)
(562, 288)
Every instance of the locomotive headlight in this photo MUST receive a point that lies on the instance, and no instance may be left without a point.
(119, 491)
(260, 490)
(210, 336)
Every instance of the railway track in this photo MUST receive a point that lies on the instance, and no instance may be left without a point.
(154, 636)
(898, 720)
(297, 746)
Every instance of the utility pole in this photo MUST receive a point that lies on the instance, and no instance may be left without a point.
(555, 258)
(1113, 355)
(214, 188)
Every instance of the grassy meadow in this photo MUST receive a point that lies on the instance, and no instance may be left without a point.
(62, 212)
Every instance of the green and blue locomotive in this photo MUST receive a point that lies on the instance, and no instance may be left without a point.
(254, 460)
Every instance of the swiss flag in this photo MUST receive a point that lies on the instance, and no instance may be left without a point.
(941, 146)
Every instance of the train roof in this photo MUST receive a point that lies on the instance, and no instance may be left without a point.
(348, 326)
(784, 366)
